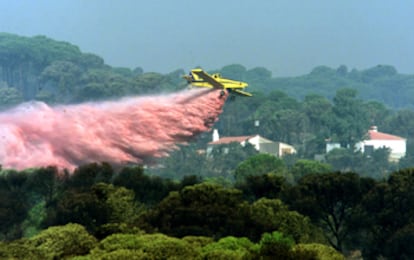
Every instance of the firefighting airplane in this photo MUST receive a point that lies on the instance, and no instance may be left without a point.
(199, 78)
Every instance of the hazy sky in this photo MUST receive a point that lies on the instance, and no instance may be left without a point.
(287, 37)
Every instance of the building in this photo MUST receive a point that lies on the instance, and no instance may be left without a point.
(261, 144)
(376, 140)
(331, 145)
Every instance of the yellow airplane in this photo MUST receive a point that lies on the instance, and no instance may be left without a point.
(199, 78)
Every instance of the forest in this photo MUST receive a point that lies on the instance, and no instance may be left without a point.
(97, 213)
(241, 205)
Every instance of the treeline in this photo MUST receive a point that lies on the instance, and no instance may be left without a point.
(306, 124)
(335, 104)
(236, 205)
(130, 213)
(303, 111)
(58, 72)
(381, 83)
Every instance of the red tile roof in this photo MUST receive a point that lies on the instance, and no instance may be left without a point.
(375, 135)
(231, 139)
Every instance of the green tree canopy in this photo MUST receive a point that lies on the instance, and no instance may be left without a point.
(304, 167)
(258, 165)
(203, 209)
(63, 241)
(330, 200)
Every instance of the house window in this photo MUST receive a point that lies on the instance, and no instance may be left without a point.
(286, 151)
(368, 149)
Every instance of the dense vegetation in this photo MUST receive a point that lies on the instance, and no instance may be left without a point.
(129, 213)
(58, 72)
(239, 205)
(302, 111)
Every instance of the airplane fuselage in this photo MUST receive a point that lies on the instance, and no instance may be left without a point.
(199, 78)
(196, 81)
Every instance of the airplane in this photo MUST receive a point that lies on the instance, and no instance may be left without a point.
(200, 78)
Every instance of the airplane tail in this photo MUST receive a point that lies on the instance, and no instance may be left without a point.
(189, 77)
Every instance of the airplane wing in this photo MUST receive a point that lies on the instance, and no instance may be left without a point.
(208, 79)
(242, 92)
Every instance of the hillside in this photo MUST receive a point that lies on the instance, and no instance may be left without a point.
(381, 83)
(58, 72)
(239, 204)
(39, 68)
(302, 111)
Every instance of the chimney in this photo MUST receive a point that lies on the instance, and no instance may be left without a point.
(216, 136)
(374, 128)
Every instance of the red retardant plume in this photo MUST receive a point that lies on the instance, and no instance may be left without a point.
(130, 130)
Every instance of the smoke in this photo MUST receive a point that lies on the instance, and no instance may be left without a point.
(130, 130)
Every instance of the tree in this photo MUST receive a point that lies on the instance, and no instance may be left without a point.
(342, 70)
(61, 77)
(223, 159)
(323, 252)
(143, 246)
(318, 110)
(374, 165)
(351, 122)
(91, 91)
(377, 114)
(182, 162)
(330, 200)
(257, 186)
(9, 97)
(46, 182)
(87, 175)
(377, 164)
(387, 212)
(148, 189)
(377, 72)
(401, 123)
(258, 74)
(203, 209)
(258, 165)
(289, 126)
(18, 249)
(276, 245)
(234, 71)
(100, 205)
(267, 215)
(304, 167)
(149, 82)
(229, 248)
(63, 241)
(343, 159)
(14, 204)
(399, 245)
(23, 59)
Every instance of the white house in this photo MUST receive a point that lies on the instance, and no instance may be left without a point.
(375, 140)
(261, 144)
(331, 145)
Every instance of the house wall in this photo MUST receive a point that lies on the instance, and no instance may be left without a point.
(258, 142)
(397, 147)
(270, 148)
(255, 141)
(330, 146)
(263, 145)
(286, 149)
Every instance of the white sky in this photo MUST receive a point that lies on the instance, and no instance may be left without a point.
(287, 37)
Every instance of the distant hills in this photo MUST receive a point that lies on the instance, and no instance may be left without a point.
(58, 72)
(381, 83)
